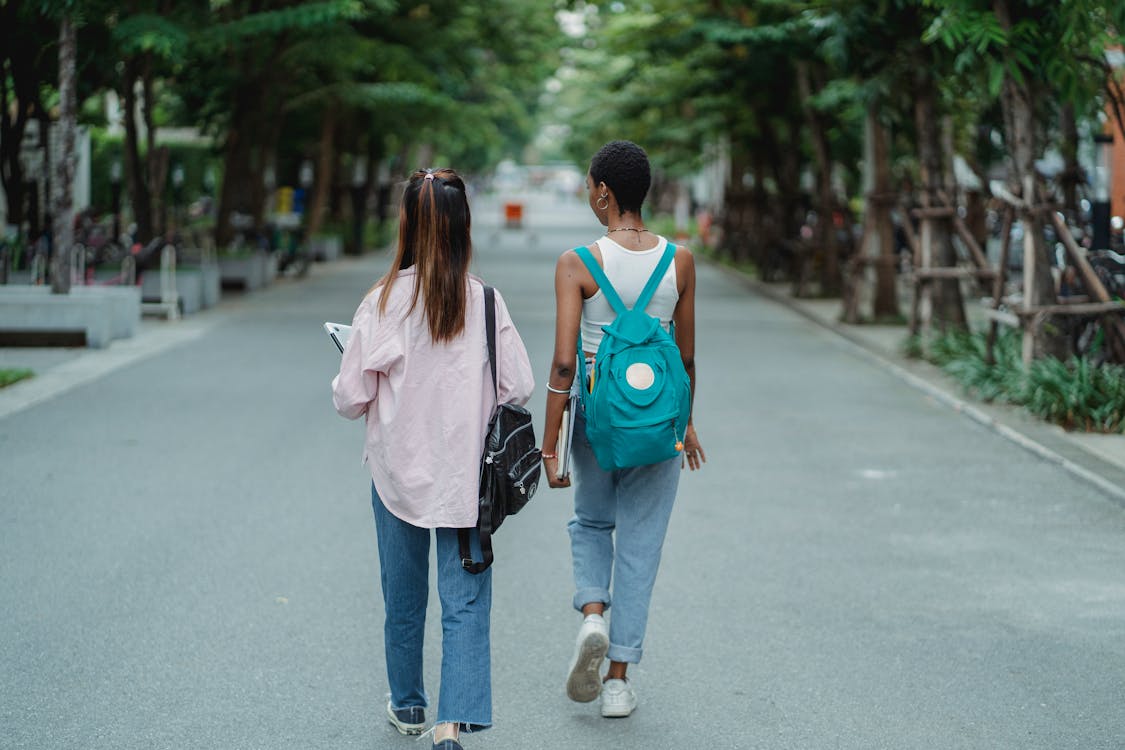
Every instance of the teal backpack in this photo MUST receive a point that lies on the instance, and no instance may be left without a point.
(638, 400)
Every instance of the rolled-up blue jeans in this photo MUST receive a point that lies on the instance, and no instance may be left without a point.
(616, 537)
(466, 605)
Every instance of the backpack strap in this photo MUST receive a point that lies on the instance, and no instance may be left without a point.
(656, 278)
(607, 288)
(601, 279)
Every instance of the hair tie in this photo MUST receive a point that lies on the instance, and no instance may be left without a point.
(429, 175)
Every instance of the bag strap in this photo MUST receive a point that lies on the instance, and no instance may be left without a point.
(466, 549)
(601, 279)
(484, 517)
(610, 293)
(656, 278)
(490, 334)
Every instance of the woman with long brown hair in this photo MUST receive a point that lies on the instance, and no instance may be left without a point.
(416, 366)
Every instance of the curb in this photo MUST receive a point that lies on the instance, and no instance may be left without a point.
(1114, 491)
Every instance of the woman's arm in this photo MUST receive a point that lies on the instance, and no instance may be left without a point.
(684, 318)
(570, 273)
(354, 387)
(373, 347)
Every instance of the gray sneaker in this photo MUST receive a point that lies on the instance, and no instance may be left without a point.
(585, 680)
(409, 720)
(618, 699)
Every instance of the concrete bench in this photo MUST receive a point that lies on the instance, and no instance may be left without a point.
(29, 314)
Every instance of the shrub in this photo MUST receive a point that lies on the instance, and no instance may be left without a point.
(1074, 394)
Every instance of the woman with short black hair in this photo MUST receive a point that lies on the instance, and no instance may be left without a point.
(620, 516)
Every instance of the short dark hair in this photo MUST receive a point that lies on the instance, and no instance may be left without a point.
(623, 167)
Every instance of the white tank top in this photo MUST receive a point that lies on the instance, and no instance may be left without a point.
(628, 271)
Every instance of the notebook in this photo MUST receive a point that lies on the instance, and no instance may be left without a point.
(566, 436)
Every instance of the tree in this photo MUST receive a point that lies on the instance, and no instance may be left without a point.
(27, 41)
(1036, 55)
(62, 186)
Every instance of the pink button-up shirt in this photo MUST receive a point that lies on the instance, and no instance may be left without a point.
(427, 405)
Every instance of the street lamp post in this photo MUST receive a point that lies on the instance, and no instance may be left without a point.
(115, 196)
(1100, 206)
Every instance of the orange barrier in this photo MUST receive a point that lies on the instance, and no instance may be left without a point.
(513, 215)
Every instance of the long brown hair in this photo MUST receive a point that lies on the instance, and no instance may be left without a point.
(433, 235)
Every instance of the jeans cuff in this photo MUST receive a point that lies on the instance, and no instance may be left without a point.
(591, 595)
(624, 654)
(467, 727)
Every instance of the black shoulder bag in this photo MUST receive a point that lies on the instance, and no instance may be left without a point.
(510, 466)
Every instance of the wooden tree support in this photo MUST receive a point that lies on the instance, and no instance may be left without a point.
(1029, 317)
(925, 274)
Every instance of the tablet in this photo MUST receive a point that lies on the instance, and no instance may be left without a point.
(339, 334)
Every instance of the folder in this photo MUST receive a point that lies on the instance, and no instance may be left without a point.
(566, 436)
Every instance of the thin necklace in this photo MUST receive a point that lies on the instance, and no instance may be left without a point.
(627, 229)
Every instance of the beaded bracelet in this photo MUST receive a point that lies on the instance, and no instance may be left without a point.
(549, 455)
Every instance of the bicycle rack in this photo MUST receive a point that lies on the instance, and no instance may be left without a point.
(169, 304)
(39, 269)
(78, 264)
(128, 271)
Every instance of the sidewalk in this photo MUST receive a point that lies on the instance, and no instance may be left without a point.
(1098, 459)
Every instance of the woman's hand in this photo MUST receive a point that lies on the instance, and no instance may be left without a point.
(694, 456)
(551, 467)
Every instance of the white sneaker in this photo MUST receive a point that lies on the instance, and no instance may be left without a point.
(585, 680)
(618, 699)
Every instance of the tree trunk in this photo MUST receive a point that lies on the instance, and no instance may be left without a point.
(1016, 100)
(830, 279)
(878, 229)
(1071, 176)
(238, 191)
(62, 203)
(11, 139)
(325, 160)
(948, 306)
(136, 182)
(156, 159)
(269, 135)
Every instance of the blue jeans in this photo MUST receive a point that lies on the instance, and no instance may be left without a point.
(466, 605)
(634, 506)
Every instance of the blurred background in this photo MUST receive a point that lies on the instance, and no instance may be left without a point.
(907, 157)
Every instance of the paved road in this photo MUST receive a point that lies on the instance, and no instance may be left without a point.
(187, 556)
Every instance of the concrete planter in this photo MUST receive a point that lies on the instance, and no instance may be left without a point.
(212, 284)
(271, 268)
(326, 248)
(245, 272)
(27, 312)
(125, 302)
(198, 287)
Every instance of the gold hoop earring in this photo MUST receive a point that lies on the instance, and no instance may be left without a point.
(598, 202)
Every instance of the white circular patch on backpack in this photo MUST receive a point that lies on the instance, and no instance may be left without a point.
(640, 376)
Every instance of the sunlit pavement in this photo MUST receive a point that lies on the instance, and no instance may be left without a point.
(188, 555)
